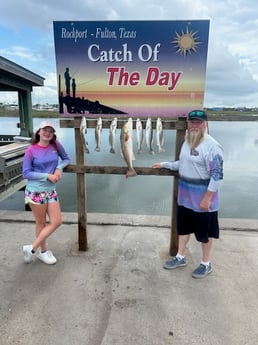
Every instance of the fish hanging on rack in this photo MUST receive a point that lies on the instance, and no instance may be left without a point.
(112, 135)
(159, 135)
(149, 135)
(98, 130)
(83, 132)
(126, 139)
(139, 135)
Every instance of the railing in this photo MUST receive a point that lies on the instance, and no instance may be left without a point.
(81, 169)
(11, 158)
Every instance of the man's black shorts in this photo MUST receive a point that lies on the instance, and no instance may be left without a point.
(203, 224)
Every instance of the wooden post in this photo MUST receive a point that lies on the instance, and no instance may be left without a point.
(180, 135)
(81, 194)
(25, 113)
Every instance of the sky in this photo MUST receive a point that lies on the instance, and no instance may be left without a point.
(27, 38)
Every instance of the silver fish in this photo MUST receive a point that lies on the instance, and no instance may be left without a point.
(98, 130)
(149, 135)
(139, 134)
(126, 139)
(159, 135)
(83, 131)
(112, 135)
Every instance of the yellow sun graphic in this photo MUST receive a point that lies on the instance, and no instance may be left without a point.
(186, 43)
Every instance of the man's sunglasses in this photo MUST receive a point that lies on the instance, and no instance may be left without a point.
(197, 114)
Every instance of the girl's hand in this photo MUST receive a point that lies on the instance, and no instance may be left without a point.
(58, 174)
(52, 178)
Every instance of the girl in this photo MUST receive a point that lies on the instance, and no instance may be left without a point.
(42, 169)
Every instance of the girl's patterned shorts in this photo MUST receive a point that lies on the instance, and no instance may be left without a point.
(39, 198)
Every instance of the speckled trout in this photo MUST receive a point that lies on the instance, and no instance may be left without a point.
(112, 135)
(139, 135)
(159, 135)
(149, 135)
(98, 130)
(83, 131)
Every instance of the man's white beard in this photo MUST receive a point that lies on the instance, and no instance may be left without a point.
(194, 137)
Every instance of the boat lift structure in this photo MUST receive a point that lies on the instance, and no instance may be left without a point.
(16, 78)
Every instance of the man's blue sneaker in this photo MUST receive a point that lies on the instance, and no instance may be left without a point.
(174, 263)
(202, 271)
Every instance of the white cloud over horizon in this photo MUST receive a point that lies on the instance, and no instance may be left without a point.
(232, 67)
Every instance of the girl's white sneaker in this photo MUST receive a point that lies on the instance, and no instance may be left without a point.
(47, 257)
(28, 255)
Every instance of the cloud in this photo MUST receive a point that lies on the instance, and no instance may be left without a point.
(232, 67)
(49, 89)
(228, 80)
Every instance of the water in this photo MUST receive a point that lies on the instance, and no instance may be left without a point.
(152, 195)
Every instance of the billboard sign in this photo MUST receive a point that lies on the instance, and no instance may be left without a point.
(132, 68)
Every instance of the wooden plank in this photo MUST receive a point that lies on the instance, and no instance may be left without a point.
(115, 170)
(91, 123)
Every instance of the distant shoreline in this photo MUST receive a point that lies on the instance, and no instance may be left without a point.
(40, 114)
(225, 115)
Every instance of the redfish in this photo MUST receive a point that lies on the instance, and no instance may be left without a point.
(126, 139)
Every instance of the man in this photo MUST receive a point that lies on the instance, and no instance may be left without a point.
(200, 168)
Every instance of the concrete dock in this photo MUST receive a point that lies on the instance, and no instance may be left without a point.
(117, 292)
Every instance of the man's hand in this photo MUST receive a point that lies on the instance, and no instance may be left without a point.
(156, 166)
(206, 201)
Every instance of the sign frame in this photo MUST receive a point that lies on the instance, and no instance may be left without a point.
(129, 68)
